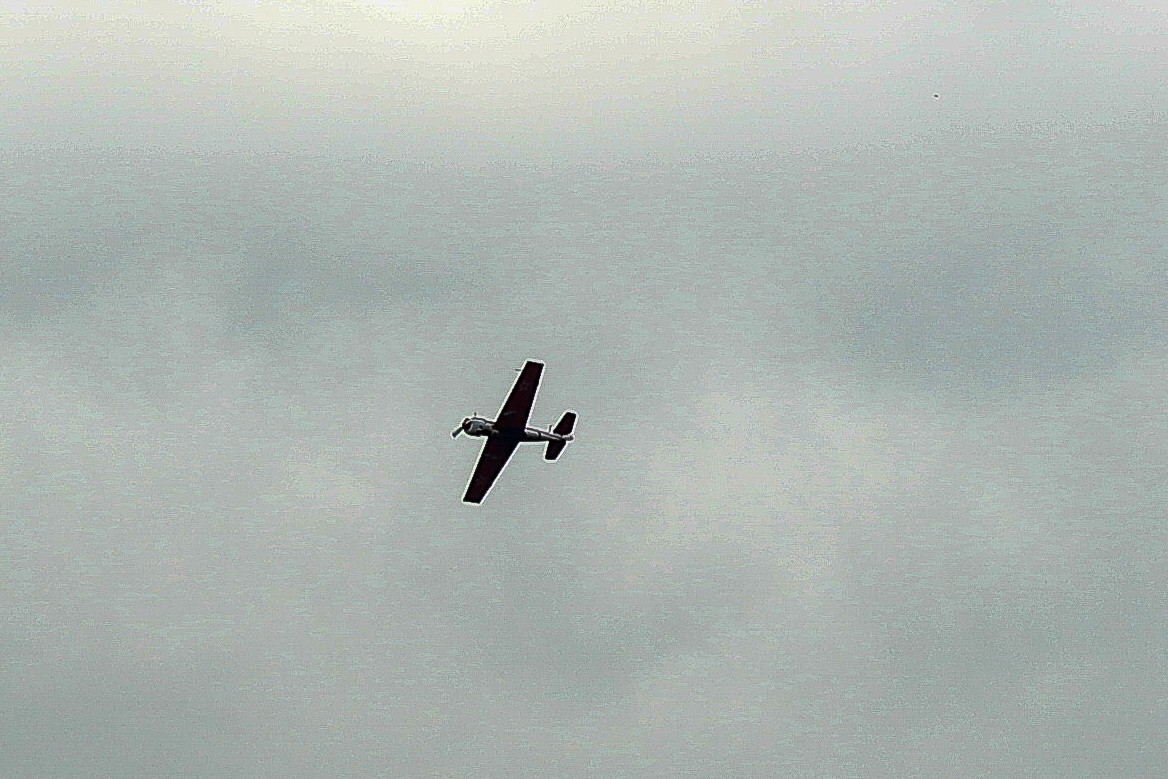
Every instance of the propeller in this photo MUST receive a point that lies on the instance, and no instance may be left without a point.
(460, 428)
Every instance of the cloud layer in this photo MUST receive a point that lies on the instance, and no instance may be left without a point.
(869, 477)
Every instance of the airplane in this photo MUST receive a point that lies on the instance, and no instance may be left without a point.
(509, 429)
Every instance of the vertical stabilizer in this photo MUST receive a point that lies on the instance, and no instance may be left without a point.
(566, 424)
(564, 427)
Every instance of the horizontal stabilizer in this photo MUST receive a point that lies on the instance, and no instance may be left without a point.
(554, 449)
(566, 423)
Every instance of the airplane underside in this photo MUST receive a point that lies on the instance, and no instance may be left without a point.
(509, 429)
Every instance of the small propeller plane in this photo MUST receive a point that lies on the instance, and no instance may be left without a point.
(509, 430)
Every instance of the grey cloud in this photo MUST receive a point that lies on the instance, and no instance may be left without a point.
(1026, 272)
(652, 78)
(750, 561)
(872, 442)
(78, 707)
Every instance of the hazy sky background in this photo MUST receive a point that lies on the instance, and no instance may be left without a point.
(873, 445)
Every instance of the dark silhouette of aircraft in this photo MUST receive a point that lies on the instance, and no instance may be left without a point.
(509, 430)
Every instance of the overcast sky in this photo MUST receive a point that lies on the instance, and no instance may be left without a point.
(863, 308)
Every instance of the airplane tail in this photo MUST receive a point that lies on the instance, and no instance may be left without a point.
(563, 427)
(566, 423)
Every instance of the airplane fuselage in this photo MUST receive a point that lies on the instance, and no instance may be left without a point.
(478, 426)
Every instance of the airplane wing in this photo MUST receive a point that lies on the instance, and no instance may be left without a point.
(517, 408)
(494, 456)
